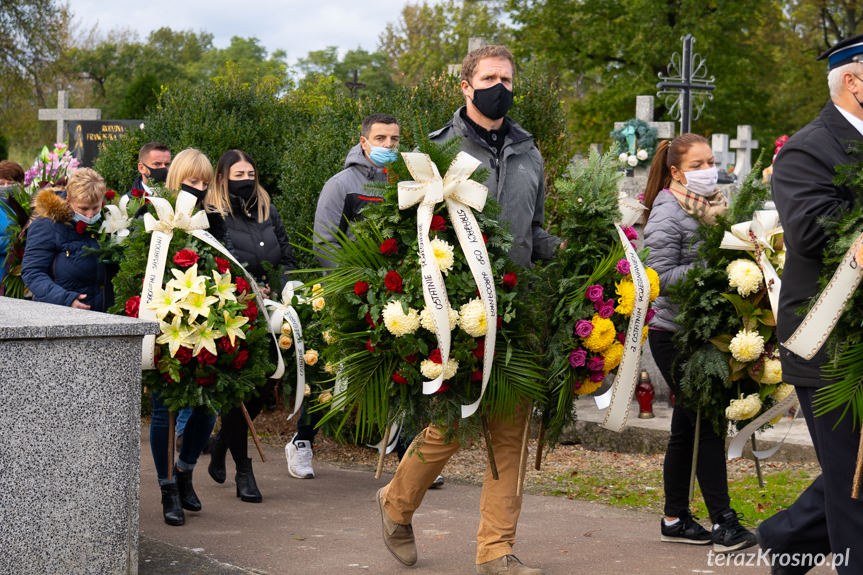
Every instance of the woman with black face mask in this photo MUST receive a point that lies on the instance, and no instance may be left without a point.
(253, 232)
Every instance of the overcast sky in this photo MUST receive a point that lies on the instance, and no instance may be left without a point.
(292, 25)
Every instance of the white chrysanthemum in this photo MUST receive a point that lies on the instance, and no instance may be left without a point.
(745, 408)
(471, 318)
(772, 372)
(746, 346)
(432, 370)
(443, 253)
(782, 391)
(427, 322)
(744, 276)
(397, 322)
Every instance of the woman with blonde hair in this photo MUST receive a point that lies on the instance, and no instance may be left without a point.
(681, 195)
(60, 264)
(254, 233)
(191, 171)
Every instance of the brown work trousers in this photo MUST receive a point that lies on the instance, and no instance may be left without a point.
(499, 505)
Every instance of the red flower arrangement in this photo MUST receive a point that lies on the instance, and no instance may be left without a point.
(240, 361)
(186, 258)
(389, 247)
(438, 224)
(361, 288)
(393, 282)
(132, 306)
(510, 280)
(137, 193)
(398, 378)
(223, 265)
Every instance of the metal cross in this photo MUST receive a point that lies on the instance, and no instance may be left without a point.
(355, 85)
(686, 81)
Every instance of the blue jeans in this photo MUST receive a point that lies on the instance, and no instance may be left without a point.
(196, 432)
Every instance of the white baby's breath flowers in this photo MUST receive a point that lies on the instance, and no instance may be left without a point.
(746, 346)
(397, 322)
(745, 276)
(471, 318)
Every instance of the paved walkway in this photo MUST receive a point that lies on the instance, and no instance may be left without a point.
(331, 525)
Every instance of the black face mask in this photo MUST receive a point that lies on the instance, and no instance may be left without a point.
(157, 175)
(493, 102)
(243, 189)
(200, 194)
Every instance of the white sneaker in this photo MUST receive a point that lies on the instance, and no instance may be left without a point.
(299, 455)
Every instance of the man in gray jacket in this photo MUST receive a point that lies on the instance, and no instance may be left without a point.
(516, 182)
(342, 197)
(341, 200)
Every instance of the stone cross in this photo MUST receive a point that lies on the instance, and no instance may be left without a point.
(744, 144)
(63, 112)
(644, 112)
(723, 156)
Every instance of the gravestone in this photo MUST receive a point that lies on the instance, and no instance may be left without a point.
(69, 439)
(63, 113)
(87, 138)
(721, 153)
(636, 179)
(744, 144)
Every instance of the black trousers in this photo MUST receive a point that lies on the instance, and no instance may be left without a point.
(234, 431)
(710, 470)
(307, 422)
(824, 518)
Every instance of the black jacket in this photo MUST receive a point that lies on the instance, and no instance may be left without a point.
(253, 242)
(804, 192)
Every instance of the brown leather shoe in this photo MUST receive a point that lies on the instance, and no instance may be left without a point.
(506, 565)
(398, 538)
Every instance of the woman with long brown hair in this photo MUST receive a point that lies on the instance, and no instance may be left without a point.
(681, 195)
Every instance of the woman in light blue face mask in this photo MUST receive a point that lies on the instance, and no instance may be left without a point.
(681, 195)
(59, 265)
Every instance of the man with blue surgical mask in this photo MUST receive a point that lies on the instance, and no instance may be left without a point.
(340, 203)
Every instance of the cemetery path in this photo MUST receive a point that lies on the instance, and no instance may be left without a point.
(331, 525)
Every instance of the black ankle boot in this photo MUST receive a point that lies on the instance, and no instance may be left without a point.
(188, 498)
(218, 448)
(247, 489)
(171, 508)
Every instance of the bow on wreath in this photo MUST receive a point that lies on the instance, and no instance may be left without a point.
(281, 311)
(757, 236)
(461, 194)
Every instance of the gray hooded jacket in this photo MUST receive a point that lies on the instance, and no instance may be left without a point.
(516, 182)
(342, 197)
(670, 235)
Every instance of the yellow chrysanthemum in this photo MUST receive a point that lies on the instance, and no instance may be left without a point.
(443, 254)
(588, 387)
(746, 346)
(625, 291)
(644, 333)
(772, 372)
(744, 408)
(612, 356)
(602, 335)
(427, 322)
(432, 370)
(471, 318)
(653, 277)
(782, 391)
(397, 322)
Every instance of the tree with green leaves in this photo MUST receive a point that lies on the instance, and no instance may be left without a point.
(371, 68)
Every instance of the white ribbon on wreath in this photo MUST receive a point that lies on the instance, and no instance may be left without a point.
(282, 311)
(460, 194)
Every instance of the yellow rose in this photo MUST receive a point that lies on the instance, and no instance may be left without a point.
(307, 391)
(311, 357)
(285, 342)
(286, 328)
(325, 397)
(318, 304)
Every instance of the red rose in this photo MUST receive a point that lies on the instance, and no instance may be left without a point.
(224, 265)
(205, 357)
(361, 288)
(185, 258)
(205, 381)
(443, 387)
(393, 281)
(225, 345)
(438, 224)
(184, 354)
(369, 346)
(410, 358)
(499, 322)
(136, 193)
(251, 310)
(370, 321)
(389, 247)
(435, 355)
(242, 357)
(476, 375)
(80, 227)
(110, 195)
(509, 280)
(242, 285)
(480, 348)
(398, 378)
(132, 305)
